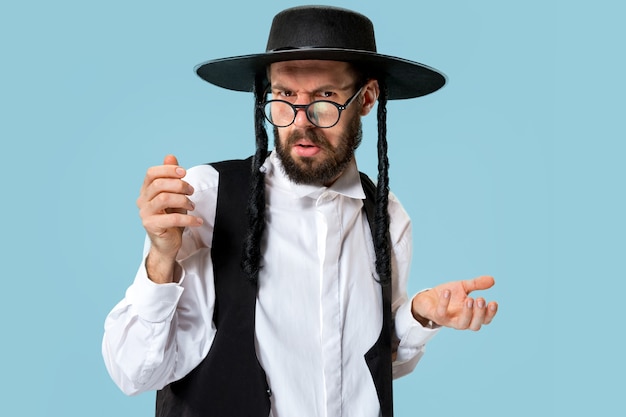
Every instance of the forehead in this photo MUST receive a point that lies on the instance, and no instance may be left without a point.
(329, 72)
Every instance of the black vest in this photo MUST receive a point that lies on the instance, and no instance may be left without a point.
(230, 382)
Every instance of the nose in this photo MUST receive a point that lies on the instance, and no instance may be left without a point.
(302, 120)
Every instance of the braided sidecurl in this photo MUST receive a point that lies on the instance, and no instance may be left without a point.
(382, 245)
(251, 257)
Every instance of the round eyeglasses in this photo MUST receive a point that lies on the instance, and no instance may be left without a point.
(321, 113)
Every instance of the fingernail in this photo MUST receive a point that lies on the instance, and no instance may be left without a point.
(180, 171)
(446, 294)
(470, 303)
(481, 304)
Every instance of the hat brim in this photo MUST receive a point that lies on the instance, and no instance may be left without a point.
(404, 78)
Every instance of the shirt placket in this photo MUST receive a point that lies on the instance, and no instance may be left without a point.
(328, 245)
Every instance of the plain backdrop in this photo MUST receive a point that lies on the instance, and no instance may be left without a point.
(514, 169)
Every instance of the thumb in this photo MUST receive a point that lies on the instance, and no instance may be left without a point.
(170, 160)
(477, 284)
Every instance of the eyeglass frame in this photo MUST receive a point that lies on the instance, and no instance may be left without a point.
(305, 107)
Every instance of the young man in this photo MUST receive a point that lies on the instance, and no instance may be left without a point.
(301, 309)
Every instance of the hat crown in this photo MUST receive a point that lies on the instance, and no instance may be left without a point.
(321, 27)
(324, 33)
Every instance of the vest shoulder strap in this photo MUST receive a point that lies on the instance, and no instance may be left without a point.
(378, 358)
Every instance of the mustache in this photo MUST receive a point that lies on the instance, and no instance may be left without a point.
(316, 138)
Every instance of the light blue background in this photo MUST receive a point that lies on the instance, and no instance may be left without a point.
(515, 168)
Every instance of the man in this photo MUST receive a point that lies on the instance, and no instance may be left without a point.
(300, 310)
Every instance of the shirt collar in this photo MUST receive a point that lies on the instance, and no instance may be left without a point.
(348, 184)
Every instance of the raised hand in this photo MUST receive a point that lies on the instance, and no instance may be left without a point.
(163, 205)
(449, 304)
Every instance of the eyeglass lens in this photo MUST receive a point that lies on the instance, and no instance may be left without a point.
(320, 113)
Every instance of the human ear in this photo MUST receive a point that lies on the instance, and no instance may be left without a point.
(371, 91)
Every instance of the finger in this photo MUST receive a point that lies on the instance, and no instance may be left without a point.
(165, 185)
(442, 305)
(478, 318)
(154, 201)
(467, 312)
(169, 169)
(164, 203)
(163, 171)
(481, 283)
(170, 160)
(163, 222)
(492, 309)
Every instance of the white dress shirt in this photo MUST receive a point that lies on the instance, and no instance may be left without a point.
(318, 310)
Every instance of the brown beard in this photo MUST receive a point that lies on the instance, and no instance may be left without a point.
(305, 170)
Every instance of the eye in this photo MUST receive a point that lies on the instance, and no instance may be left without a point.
(327, 94)
(282, 93)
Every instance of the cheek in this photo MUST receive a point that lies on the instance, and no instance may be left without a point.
(337, 134)
(334, 137)
(280, 136)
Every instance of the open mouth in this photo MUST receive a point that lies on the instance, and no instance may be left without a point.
(306, 149)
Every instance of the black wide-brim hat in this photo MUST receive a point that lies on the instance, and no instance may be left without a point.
(324, 33)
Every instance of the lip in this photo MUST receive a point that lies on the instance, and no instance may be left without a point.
(305, 148)
(304, 142)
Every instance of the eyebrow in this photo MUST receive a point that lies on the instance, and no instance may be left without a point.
(326, 87)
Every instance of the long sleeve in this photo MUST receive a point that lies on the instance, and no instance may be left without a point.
(160, 332)
(412, 336)
(138, 345)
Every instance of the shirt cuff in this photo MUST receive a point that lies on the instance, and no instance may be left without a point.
(154, 302)
(410, 332)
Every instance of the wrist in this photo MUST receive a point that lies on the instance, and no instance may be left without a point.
(160, 269)
(425, 322)
(422, 320)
